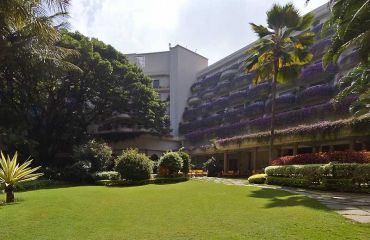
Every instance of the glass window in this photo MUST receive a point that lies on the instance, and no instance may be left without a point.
(156, 83)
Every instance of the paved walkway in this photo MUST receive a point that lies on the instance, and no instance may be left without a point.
(353, 206)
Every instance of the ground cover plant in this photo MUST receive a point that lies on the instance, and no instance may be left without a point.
(189, 210)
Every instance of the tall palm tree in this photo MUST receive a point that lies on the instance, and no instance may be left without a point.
(280, 52)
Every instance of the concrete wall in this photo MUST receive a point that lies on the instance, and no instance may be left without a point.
(185, 65)
(147, 144)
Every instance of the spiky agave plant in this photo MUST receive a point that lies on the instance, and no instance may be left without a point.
(12, 173)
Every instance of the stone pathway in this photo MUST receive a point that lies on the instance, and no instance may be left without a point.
(353, 206)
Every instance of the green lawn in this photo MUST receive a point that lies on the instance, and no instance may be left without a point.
(189, 210)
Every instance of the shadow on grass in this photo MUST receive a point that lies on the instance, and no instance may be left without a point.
(278, 198)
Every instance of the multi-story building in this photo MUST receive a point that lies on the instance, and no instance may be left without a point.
(172, 73)
(228, 117)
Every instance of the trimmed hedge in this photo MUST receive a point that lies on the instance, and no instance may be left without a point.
(324, 157)
(39, 184)
(333, 176)
(257, 179)
(123, 183)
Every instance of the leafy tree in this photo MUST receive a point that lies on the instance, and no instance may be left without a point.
(12, 173)
(47, 107)
(96, 153)
(281, 51)
(350, 19)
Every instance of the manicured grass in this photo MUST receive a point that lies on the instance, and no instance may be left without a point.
(189, 210)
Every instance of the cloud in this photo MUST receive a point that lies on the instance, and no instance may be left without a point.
(215, 28)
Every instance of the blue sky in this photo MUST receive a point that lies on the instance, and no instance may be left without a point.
(212, 28)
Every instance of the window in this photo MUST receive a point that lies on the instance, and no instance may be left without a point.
(141, 61)
(156, 83)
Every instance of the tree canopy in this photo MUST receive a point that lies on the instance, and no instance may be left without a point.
(54, 83)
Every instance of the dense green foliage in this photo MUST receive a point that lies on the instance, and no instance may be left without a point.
(189, 210)
(133, 165)
(350, 19)
(332, 176)
(53, 89)
(39, 184)
(172, 162)
(97, 154)
(257, 178)
(281, 51)
(186, 161)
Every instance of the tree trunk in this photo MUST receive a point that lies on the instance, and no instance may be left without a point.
(272, 121)
(9, 190)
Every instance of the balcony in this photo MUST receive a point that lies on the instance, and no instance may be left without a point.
(196, 87)
(255, 109)
(282, 102)
(259, 91)
(208, 94)
(318, 49)
(194, 100)
(210, 81)
(228, 74)
(314, 93)
(232, 115)
(223, 87)
(237, 97)
(243, 80)
(315, 72)
(349, 60)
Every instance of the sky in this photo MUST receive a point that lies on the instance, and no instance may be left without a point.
(212, 28)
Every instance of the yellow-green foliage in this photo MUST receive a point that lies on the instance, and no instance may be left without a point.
(257, 178)
(11, 172)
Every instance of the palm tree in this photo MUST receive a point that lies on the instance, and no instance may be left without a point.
(351, 20)
(280, 52)
(12, 173)
(31, 26)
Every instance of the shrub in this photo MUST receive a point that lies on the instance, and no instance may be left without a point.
(77, 173)
(107, 175)
(326, 157)
(186, 161)
(332, 176)
(133, 165)
(38, 184)
(212, 167)
(96, 153)
(257, 179)
(172, 162)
